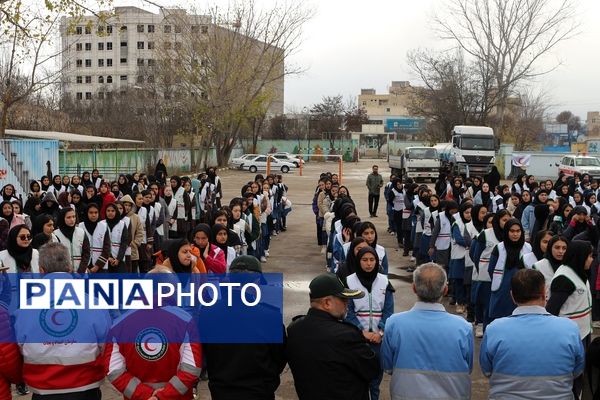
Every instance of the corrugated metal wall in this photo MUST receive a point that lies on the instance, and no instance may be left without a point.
(24, 160)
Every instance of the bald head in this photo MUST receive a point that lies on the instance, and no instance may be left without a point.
(430, 283)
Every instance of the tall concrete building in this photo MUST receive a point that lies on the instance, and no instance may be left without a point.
(99, 60)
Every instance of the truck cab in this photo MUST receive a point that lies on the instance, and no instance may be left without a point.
(472, 150)
(417, 163)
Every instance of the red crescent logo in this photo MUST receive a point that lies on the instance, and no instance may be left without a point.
(147, 346)
(53, 318)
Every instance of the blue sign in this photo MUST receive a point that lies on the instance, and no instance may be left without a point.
(411, 125)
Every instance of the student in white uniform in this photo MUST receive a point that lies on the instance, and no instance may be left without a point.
(97, 234)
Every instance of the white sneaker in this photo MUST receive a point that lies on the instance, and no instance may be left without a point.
(323, 249)
(479, 330)
(266, 253)
(263, 259)
(412, 259)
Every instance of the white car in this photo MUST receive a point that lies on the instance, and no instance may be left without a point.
(260, 163)
(289, 158)
(239, 161)
(569, 165)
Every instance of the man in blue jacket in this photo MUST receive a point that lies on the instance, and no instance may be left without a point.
(531, 354)
(428, 351)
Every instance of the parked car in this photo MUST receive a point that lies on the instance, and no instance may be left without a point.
(239, 161)
(289, 157)
(569, 165)
(260, 163)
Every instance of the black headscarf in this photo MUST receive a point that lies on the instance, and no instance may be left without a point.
(202, 228)
(86, 181)
(57, 186)
(498, 231)
(485, 196)
(363, 226)
(367, 278)
(450, 205)
(39, 237)
(173, 256)
(9, 218)
(216, 228)
(64, 228)
(89, 225)
(577, 253)
(22, 255)
(513, 249)
(474, 217)
(461, 211)
(178, 180)
(554, 263)
(537, 242)
(113, 222)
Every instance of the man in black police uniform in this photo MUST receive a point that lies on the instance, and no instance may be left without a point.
(329, 358)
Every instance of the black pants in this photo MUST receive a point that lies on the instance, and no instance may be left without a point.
(92, 394)
(373, 203)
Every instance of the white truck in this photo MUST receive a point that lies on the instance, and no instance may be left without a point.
(471, 152)
(416, 163)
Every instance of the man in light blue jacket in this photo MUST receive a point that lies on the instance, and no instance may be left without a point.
(428, 351)
(531, 354)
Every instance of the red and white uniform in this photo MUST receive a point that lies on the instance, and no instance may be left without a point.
(154, 349)
(10, 358)
(71, 359)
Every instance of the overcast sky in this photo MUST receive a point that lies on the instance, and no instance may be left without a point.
(354, 44)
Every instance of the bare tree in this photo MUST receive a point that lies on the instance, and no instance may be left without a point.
(454, 92)
(525, 122)
(231, 64)
(26, 63)
(328, 117)
(509, 38)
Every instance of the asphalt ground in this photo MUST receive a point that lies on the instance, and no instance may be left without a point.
(295, 254)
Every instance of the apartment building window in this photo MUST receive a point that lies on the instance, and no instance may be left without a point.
(88, 47)
(364, 103)
(88, 95)
(387, 110)
(140, 79)
(109, 79)
(79, 63)
(151, 62)
(123, 44)
(140, 62)
(150, 28)
(123, 61)
(79, 96)
(167, 28)
(124, 78)
(88, 30)
(140, 28)
(88, 79)
(100, 46)
(123, 29)
(101, 62)
(101, 95)
(78, 30)
(108, 45)
(177, 28)
(78, 46)
(204, 29)
(177, 45)
(195, 29)
(100, 29)
(88, 63)
(140, 45)
(79, 79)
(109, 29)
(150, 45)
(109, 62)
(100, 79)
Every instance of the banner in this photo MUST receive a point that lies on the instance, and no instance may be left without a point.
(521, 160)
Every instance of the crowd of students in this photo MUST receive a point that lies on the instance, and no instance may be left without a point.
(481, 232)
(138, 222)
